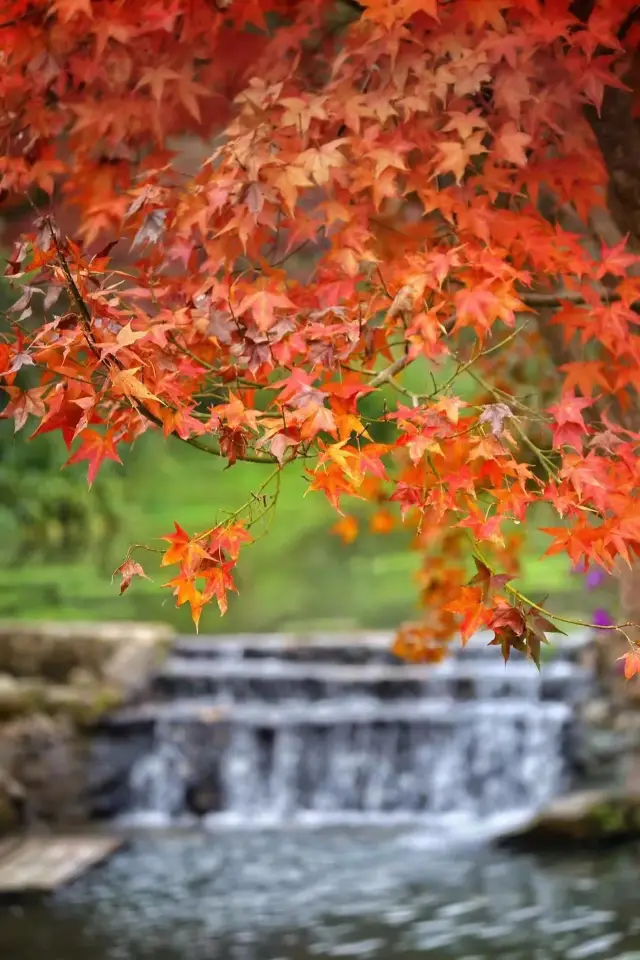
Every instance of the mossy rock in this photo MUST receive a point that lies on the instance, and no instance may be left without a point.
(83, 705)
(594, 817)
(54, 651)
(20, 697)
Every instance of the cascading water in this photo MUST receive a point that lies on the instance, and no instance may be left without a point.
(276, 731)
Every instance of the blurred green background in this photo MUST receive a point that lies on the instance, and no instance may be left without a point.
(60, 542)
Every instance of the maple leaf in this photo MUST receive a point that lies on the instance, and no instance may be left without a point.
(185, 591)
(488, 581)
(470, 607)
(124, 338)
(495, 414)
(95, 447)
(456, 156)
(631, 663)
(125, 383)
(151, 229)
(319, 162)
(507, 639)
(382, 521)
(346, 458)
(228, 539)
(218, 582)
(262, 305)
(616, 259)
(332, 482)
(510, 144)
(20, 360)
(451, 407)
(537, 627)
(69, 416)
(22, 404)
(477, 307)
(156, 78)
(346, 528)
(184, 550)
(179, 541)
(129, 569)
(570, 428)
(585, 375)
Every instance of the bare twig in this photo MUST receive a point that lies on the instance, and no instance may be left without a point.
(386, 375)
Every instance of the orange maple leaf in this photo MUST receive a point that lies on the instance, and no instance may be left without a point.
(188, 552)
(510, 144)
(631, 663)
(262, 304)
(346, 528)
(382, 521)
(185, 591)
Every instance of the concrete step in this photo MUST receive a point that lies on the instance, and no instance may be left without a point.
(277, 680)
(441, 711)
(357, 648)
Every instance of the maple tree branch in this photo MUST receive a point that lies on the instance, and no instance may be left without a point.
(521, 598)
(386, 375)
(556, 298)
(81, 304)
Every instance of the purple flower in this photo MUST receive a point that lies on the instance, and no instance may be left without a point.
(578, 567)
(601, 618)
(595, 578)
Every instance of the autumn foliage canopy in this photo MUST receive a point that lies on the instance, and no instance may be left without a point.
(246, 217)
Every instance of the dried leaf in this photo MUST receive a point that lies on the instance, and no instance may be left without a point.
(129, 569)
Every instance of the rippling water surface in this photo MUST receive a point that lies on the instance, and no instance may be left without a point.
(304, 894)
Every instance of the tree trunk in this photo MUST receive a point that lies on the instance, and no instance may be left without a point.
(617, 131)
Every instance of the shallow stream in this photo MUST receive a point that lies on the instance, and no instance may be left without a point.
(376, 893)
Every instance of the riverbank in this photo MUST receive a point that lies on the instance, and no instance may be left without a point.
(56, 680)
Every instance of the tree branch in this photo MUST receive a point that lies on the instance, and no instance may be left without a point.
(85, 319)
(386, 375)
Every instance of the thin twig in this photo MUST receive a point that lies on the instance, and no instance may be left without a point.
(386, 375)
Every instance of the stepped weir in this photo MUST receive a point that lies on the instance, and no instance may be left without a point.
(327, 729)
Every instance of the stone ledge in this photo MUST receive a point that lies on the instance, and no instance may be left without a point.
(21, 696)
(53, 651)
(590, 817)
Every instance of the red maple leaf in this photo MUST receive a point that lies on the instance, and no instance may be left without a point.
(569, 430)
(95, 447)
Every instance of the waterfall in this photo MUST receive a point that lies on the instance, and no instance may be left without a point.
(271, 730)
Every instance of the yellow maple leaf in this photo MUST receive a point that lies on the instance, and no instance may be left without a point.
(126, 383)
(347, 424)
(344, 457)
(126, 336)
(319, 161)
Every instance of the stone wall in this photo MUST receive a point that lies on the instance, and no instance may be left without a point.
(56, 680)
